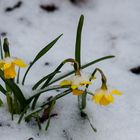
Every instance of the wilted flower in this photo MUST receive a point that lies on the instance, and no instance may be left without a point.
(7, 65)
(105, 96)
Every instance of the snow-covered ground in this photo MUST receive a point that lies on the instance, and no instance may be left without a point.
(110, 27)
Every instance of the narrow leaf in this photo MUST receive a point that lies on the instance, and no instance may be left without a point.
(39, 55)
(22, 114)
(1, 50)
(1, 103)
(64, 93)
(2, 90)
(18, 75)
(43, 79)
(85, 116)
(93, 128)
(39, 92)
(50, 110)
(51, 77)
(69, 60)
(78, 41)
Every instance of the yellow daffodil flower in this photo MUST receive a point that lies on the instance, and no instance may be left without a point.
(76, 82)
(7, 65)
(105, 96)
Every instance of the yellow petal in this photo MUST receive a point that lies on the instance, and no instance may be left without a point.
(65, 83)
(19, 63)
(6, 66)
(116, 92)
(74, 87)
(77, 92)
(97, 97)
(109, 97)
(85, 83)
(10, 72)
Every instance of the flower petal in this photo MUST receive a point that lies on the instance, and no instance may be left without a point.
(77, 92)
(116, 92)
(110, 98)
(97, 97)
(65, 83)
(19, 63)
(6, 66)
(85, 83)
(74, 87)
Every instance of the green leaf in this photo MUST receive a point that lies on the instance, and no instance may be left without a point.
(82, 67)
(64, 93)
(78, 41)
(81, 98)
(85, 116)
(34, 102)
(56, 71)
(29, 116)
(15, 89)
(22, 114)
(51, 77)
(39, 55)
(18, 75)
(39, 92)
(1, 103)
(93, 128)
(58, 96)
(1, 50)
(38, 121)
(10, 103)
(44, 79)
(2, 90)
(6, 47)
(36, 96)
(16, 106)
(50, 110)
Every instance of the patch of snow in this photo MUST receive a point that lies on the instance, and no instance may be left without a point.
(111, 27)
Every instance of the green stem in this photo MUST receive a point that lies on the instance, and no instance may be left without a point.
(82, 101)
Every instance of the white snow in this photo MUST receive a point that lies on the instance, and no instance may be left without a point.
(110, 27)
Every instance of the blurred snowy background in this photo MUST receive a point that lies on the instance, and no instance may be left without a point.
(111, 27)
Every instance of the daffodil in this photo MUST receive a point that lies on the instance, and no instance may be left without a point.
(7, 65)
(76, 82)
(105, 96)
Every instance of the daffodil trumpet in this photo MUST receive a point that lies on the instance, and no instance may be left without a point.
(105, 96)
